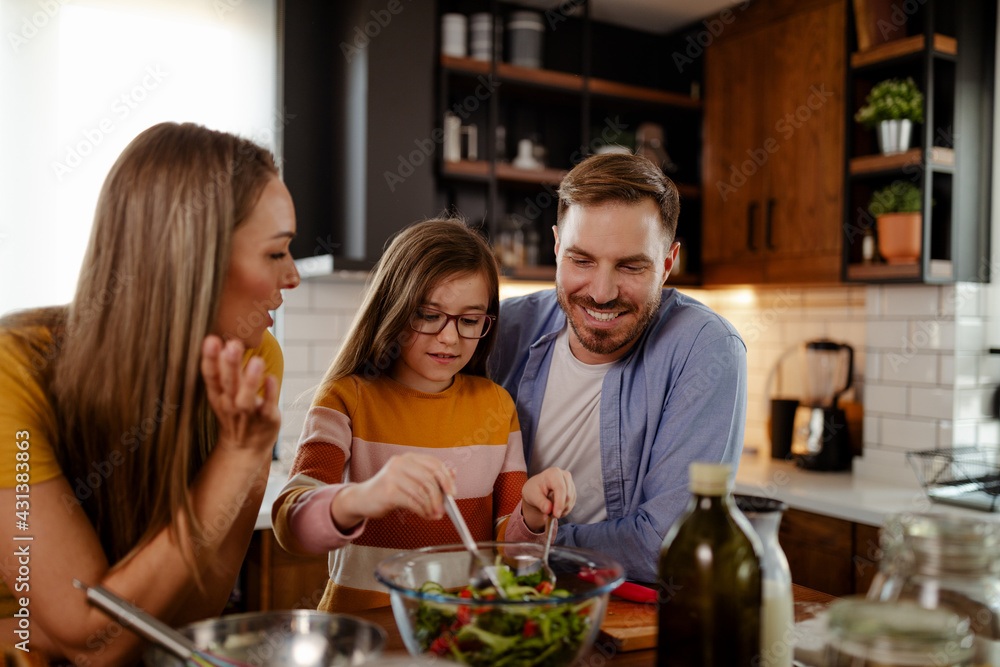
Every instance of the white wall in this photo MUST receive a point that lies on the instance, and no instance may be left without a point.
(80, 79)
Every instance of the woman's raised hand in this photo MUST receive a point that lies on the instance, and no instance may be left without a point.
(416, 482)
(247, 421)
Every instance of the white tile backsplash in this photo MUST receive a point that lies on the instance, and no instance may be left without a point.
(931, 334)
(898, 366)
(917, 301)
(886, 399)
(909, 434)
(936, 402)
(920, 365)
(296, 357)
(307, 326)
(873, 301)
(887, 334)
(973, 403)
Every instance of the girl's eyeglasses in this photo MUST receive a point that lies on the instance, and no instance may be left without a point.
(469, 325)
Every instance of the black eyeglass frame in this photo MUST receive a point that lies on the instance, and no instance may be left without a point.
(490, 319)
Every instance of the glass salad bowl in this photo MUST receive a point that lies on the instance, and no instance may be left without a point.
(439, 613)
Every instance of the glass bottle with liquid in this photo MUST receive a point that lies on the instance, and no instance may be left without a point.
(777, 616)
(951, 563)
(710, 579)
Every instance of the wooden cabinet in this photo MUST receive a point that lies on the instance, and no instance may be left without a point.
(828, 554)
(948, 48)
(276, 579)
(773, 132)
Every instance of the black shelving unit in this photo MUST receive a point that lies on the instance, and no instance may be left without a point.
(597, 79)
(949, 50)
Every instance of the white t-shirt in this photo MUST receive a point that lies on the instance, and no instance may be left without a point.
(569, 429)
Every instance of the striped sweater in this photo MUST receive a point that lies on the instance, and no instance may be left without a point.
(348, 436)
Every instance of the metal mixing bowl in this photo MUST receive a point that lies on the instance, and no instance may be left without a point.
(295, 637)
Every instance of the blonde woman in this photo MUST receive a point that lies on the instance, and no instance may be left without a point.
(138, 421)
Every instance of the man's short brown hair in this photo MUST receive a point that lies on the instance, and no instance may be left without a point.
(616, 178)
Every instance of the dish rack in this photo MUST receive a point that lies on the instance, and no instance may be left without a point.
(962, 476)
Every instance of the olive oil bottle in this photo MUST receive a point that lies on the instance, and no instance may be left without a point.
(710, 579)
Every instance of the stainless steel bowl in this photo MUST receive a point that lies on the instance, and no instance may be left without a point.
(295, 637)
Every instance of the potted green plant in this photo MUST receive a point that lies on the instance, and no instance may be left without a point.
(897, 210)
(892, 106)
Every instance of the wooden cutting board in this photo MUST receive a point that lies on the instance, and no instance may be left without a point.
(630, 626)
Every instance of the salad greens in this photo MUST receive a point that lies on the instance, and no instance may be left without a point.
(545, 635)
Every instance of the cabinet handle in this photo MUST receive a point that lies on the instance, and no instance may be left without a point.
(751, 217)
(767, 223)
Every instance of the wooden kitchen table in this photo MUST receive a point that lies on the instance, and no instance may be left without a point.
(807, 603)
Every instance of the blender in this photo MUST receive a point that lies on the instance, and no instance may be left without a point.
(820, 435)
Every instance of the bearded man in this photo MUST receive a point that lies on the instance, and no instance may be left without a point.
(616, 379)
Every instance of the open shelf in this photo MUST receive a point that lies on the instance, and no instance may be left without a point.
(939, 268)
(571, 82)
(511, 174)
(472, 170)
(466, 65)
(868, 164)
(640, 94)
(883, 271)
(902, 47)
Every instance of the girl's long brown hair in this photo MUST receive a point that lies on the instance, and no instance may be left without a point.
(417, 259)
(132, 421)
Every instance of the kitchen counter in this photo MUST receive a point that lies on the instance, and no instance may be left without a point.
(841, 495)
(836, 494)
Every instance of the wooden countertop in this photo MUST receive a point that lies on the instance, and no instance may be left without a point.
(807, 603)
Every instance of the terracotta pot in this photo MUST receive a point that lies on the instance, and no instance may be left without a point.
(899, 237)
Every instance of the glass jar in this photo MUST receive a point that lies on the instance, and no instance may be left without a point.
(868, 633)
(951, 563)
(777, 624)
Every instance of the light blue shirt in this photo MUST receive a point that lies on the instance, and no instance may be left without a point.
(679, 395)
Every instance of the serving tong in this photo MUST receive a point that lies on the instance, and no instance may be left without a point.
(480, 570)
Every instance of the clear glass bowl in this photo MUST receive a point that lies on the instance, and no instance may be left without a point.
(429, 623)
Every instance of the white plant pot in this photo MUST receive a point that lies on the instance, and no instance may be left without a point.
(894, 136)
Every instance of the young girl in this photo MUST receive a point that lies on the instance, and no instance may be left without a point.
(405, 406)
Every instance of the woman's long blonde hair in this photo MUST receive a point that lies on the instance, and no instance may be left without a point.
(133, 424)
(416, 260)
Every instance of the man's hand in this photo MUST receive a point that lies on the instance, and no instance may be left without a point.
(549, 492)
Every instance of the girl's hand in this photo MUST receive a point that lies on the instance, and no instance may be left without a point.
(247, 422)
(536, 503)
(415, 482)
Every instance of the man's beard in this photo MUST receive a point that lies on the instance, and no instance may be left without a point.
(606, 341)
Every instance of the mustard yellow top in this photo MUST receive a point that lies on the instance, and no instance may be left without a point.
(27, 416)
